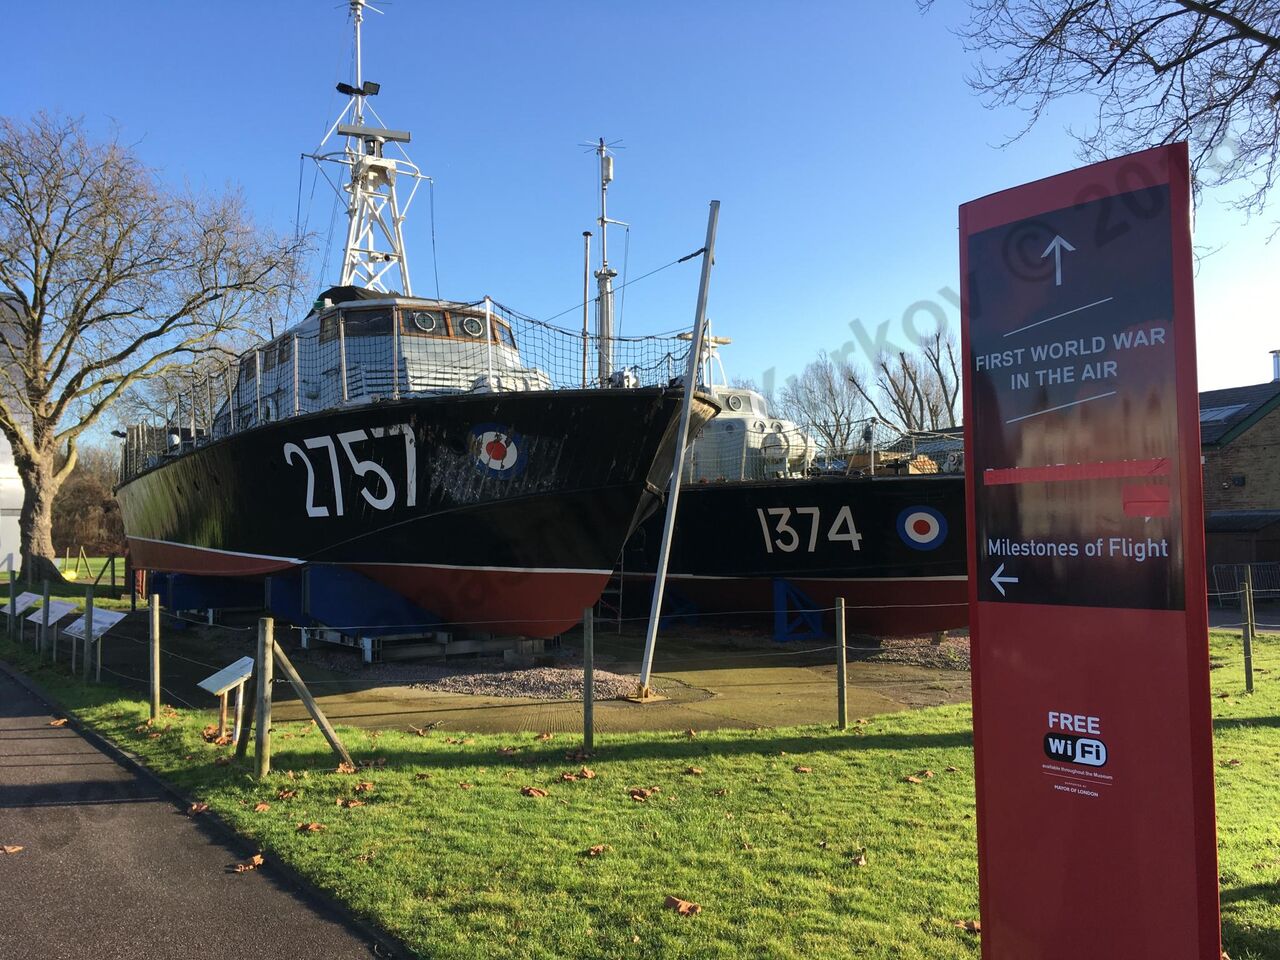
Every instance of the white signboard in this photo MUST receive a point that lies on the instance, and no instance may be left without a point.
(228, 677)
(57, 610)
(22, 601)
(103, 620)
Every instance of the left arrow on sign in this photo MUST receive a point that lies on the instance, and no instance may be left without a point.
(1000, 581)
(1056, 246)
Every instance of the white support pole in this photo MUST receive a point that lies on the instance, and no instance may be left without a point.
(682, 438)
(297, 399)
(342, 356)
(488, 338)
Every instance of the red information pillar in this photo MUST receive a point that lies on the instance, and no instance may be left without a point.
(1092, 726)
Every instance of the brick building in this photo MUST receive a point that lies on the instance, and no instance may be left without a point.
(1240, 443)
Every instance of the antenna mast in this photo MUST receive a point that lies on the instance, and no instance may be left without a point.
(375, 217)
(605, 275)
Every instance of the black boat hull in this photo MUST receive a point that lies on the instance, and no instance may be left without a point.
(892, 547)
(499, 512)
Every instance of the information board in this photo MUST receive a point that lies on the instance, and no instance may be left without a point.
(1092, 727)
(57, 610)
(21, 602)
(103, 620)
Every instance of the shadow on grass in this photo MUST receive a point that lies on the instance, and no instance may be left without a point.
(1235, 723)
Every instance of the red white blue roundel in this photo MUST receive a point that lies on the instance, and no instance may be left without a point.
(497, 451)
(922, 528)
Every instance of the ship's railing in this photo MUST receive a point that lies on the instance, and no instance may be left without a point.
(322, 366)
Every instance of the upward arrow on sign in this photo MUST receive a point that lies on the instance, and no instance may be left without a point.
(1056, 246)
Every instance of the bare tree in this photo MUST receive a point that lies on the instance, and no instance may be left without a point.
(1205, 71)
(914, 391)
(825, 402)
(85, 514)
(107, 278)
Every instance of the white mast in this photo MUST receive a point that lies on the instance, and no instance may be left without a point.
(375, 217)
(605, 275)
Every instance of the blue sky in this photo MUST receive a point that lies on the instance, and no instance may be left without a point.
(840, 138)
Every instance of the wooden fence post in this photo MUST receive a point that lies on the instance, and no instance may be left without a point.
(155, 656)
(44, 621)
(300, 688)
(588, 680)
(87, 647)
(266, 659)
(842, 668)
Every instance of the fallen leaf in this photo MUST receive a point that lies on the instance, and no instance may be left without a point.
(595, 851)
(1233, 762)
(345, 767)
(366, 857)
(506, 751)
(261, 807)
(465, 786)
(691, 733)
(364, 786)
(545, 736)
(859, 857)
(197, 808)
(286, 794)
(223, 741)
(862, 721)
(694, 771)
(422, 776)
(802, 769)
(578, 755)
(311, 827)
(586, 773)
(683, 907)
(822, 844)
(349, 802)
(12, 848)
(568, 776)
(641, 794)
(953, 769)
(382, 761)
(1223, 696)
(722, 792)
(913, 780)
(970, 926)
(924, 774)
(253, 863)
(534, 792)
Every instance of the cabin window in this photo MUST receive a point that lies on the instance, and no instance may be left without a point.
(248, 367)
(368, 323)
(502, 333)
(428, 323)
(735, 402)
(269, 356)
(329, 328)
(469, 327)
(284, 352)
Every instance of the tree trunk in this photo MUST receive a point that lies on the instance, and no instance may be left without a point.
(35, 525)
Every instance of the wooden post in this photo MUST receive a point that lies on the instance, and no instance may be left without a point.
(239, 711)
(842, 669)
(266, 656)
(242, 740)
(1246, 608)
(87, 647)
(44, 621)
(313, 708)
(222, 714)
(588, 680)
(13, 593)
(155, 656)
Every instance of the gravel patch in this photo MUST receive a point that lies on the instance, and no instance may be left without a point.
(951, 654)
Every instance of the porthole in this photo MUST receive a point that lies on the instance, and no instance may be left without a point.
(472, 326)
(735, 402)
(427, 322)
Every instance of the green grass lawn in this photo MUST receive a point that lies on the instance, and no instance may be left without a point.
(74, 589)
(448, 854)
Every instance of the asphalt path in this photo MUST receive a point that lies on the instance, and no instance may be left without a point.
(112, 867)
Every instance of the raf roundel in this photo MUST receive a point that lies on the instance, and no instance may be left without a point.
(922, 528)
(497, 451)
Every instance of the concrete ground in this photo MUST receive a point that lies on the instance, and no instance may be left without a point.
(721, 677)
(111, 868)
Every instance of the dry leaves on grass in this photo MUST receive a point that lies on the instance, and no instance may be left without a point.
(970, 926)
(506, 751)
(683, 907)
(311, 827)
(12, 848)
(349, 802)
(382, 761)
(345, 767)
(925, 774)
(568, 776)
(691, 733)
(953, 769)
(641, 794)
(197, 808)
(253, 863)
(586, 773)
(800, 768)
(261, 807)
(859, 857)
(364, 786)
(422, 776)
(578, 755)
(286, 794)
(912, 780)
(544, 736)
(597, 850)
(465, 786)
(1233, 762)
(694, 771)
(534, 792)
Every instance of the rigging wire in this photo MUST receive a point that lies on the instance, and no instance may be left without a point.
(435, 263)
(579, 304)
(626, 259)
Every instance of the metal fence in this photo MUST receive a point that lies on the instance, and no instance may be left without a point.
(1228, 580)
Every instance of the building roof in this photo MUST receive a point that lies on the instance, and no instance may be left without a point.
(1240, 521)
(1225, 414)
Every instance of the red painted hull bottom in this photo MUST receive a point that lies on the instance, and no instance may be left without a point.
(529, 603)
(511, 601)
(882, 608)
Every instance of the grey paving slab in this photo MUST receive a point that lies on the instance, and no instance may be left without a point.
(112, 868)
